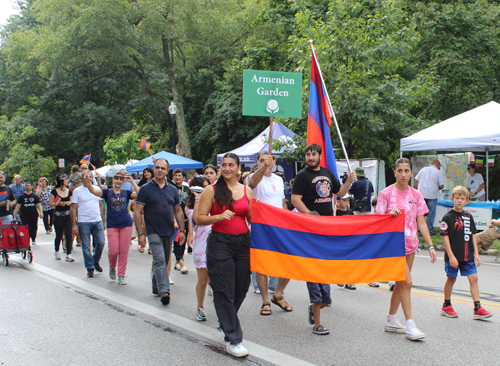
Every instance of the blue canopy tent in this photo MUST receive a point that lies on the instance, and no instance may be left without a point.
(175, 161)
(248, 152)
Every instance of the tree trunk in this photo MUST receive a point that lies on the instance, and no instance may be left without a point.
(183, 146)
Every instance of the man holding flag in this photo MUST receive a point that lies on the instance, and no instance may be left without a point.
(312, 193)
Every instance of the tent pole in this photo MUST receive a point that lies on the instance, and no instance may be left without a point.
(487, 177)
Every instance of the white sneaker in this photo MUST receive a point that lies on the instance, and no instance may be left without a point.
(412, 332)
(393, 325)
(171, 281)
(209, 291)
(58, 256)
(69, 258)
(121, 280)
(237, 350)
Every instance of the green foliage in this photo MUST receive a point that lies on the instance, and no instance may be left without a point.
(119, 150)
(23, 158)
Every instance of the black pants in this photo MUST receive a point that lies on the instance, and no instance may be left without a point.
(32, 222)
(48, 219)
(228, 265)
(63, 224)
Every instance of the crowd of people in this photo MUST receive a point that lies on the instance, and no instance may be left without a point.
(212, 212)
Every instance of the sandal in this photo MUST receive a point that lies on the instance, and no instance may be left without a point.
(287, 306)
(141, 249)
(177, 266)
(184, 270)
(263, 311)
(321, 330)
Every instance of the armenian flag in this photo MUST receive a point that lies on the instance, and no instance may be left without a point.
(145, 145)
(319, 119)
(326, 249)
(4, 196)
(57, 200)
(85, 159)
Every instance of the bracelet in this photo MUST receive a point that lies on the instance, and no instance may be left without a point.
(140, 234)
(432, 247)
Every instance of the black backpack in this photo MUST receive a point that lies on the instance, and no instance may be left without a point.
(360, 203)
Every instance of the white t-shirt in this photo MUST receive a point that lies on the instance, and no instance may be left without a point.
(270, 190)
(88, 205)
(473, 184)
(429, 180)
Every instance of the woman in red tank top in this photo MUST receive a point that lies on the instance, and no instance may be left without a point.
(227, 206)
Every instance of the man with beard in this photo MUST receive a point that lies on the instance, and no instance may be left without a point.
(312, 193)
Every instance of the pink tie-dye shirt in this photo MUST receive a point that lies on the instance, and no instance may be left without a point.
(414, 205)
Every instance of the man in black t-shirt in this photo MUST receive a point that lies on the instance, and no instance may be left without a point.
(7, 200)
(179, 178)
(312, 191)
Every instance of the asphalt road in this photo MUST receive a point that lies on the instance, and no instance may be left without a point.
(52, 314)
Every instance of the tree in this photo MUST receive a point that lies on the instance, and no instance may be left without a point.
(361, 47)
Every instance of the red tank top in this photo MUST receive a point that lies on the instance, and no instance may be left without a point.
(237, 225)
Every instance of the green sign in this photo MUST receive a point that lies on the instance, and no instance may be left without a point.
(272, 94)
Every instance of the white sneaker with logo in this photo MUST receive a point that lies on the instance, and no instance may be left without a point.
(412, 332)
(237, 350)
(393, 325)
(58, 255)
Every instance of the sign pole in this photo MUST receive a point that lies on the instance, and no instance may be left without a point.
(271, 122)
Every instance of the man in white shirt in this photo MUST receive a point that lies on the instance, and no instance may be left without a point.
(91, 221)
(429, 181)
(268, 187)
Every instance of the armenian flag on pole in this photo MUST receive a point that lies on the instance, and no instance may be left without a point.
(319, 118)
(327, 249)
(145, 145)
(85, 159)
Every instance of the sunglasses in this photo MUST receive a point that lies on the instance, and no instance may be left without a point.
(119, 177)
(63, 177)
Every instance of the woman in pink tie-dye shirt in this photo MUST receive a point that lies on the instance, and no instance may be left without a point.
(393, 199)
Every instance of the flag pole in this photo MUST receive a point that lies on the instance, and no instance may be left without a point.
(271, 121)
(332, 113)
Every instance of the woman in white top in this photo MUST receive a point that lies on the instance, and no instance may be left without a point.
(475, 183)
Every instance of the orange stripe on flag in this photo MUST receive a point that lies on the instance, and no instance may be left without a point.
(327, 271)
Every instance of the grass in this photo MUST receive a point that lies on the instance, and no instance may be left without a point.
(437, 240)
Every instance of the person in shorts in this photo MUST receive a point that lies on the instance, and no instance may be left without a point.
(487, 237)
(458, 229)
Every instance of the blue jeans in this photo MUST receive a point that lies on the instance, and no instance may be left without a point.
(96, 229)
(273, 282)
(431, 205)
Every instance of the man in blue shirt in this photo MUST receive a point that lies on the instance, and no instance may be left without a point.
(18, 189)
(159, 201)
(358, 190)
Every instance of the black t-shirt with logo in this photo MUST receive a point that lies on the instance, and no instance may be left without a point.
(316, 188)
(6, 195)
(460, 228)
(28, 203)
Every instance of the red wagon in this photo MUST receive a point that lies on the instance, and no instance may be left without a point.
(14, 238)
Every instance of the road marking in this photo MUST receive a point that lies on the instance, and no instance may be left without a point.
(436, 296)
(256, 350)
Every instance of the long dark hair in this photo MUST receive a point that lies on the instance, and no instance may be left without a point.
(223, 195)
(197, 180)
(60, 180)
(143, 179)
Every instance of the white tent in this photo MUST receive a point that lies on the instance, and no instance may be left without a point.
(477, 130)
(474, 130)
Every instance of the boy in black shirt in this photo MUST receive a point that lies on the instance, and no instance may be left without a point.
(458, 229)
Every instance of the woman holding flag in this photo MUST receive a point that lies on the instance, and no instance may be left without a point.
(393, 199)
(60, 198)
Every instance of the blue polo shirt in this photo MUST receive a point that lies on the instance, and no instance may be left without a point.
(159, 206)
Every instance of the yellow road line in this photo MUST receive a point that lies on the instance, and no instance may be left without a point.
(456, 299)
